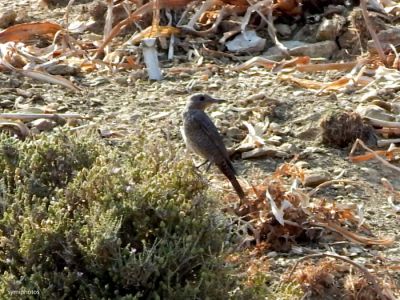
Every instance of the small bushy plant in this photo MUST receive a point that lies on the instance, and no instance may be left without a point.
(80, 219)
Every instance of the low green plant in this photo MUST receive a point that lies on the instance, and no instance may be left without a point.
(80, 219)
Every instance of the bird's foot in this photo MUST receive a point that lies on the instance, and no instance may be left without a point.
(202, 164)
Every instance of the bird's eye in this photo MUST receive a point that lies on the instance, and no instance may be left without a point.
(201, 98)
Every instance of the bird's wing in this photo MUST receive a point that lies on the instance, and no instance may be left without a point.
(208, 127)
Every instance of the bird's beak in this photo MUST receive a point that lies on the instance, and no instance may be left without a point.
(217, 100)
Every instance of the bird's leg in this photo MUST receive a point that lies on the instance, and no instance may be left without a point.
(202, 164)
(209, 166)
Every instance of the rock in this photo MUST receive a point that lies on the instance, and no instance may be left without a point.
(371, 173)
(217, 115)
(248, 41)
(311, 150)
(274, 140)
(308, 132)
(265, 151)
(62, 69)
(329, 29)
(7, 18)
(124, 81)
(315, 116)
(375, 112)
(6, 103)
(322, 49)
(234, 132)
(315, 177)
(24, 93)
(15, 82)
(276, 128)
(302, 164)
(370, 96)
(350, 40)
(307, 33)
(386, 37)
(141, 74)
(43, 124)
(296, 48)
(288, 148)
(95, 102)
(283, 30)
(275, 51)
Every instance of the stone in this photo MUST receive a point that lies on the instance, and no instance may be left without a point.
(274, 140)
(61, 69)
(283, 30)
(324, 49)
(307, 33)
(288, 148)
(234, 132)
(386, 38)
(7, 18)
(350, 40)
(124, 81)
(6, 103)
(308, 132)
(43, 124)
(375, 112)
(265, 151)
(315, 177)
(302, 164)
(248, 41)
(329, 29)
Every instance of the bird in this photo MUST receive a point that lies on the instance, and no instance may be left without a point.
(201, 136)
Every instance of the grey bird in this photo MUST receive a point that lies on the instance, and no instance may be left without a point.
(202, 137)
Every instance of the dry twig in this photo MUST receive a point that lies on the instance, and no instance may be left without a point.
(361, 143)
(363, 4)
(364, 270)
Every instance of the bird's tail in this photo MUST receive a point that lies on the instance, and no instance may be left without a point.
(229, 172)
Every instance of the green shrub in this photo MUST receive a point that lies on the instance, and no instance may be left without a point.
(80, 219)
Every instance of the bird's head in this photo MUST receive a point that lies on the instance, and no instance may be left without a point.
(201, 101)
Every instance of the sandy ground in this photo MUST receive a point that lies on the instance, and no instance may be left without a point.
(128, 102)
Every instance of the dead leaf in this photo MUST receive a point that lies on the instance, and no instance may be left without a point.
(27, 31)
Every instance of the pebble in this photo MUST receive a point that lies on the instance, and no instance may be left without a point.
(234, 132)
(7, 18)
(302, 164)
(247, 41)
(43, 124)
(61, 69)
(276, 128)
(7, 103)
(329, 29)
(372, 173)
(324, 49)
(274, 140)
(96, 102)
(272, 254)
(122, 81)
(283, 29)
(312, 150)
(375, 111)
(308, 132)
(315, 177)
(265, 151)
(288, 148)
(15, 83)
